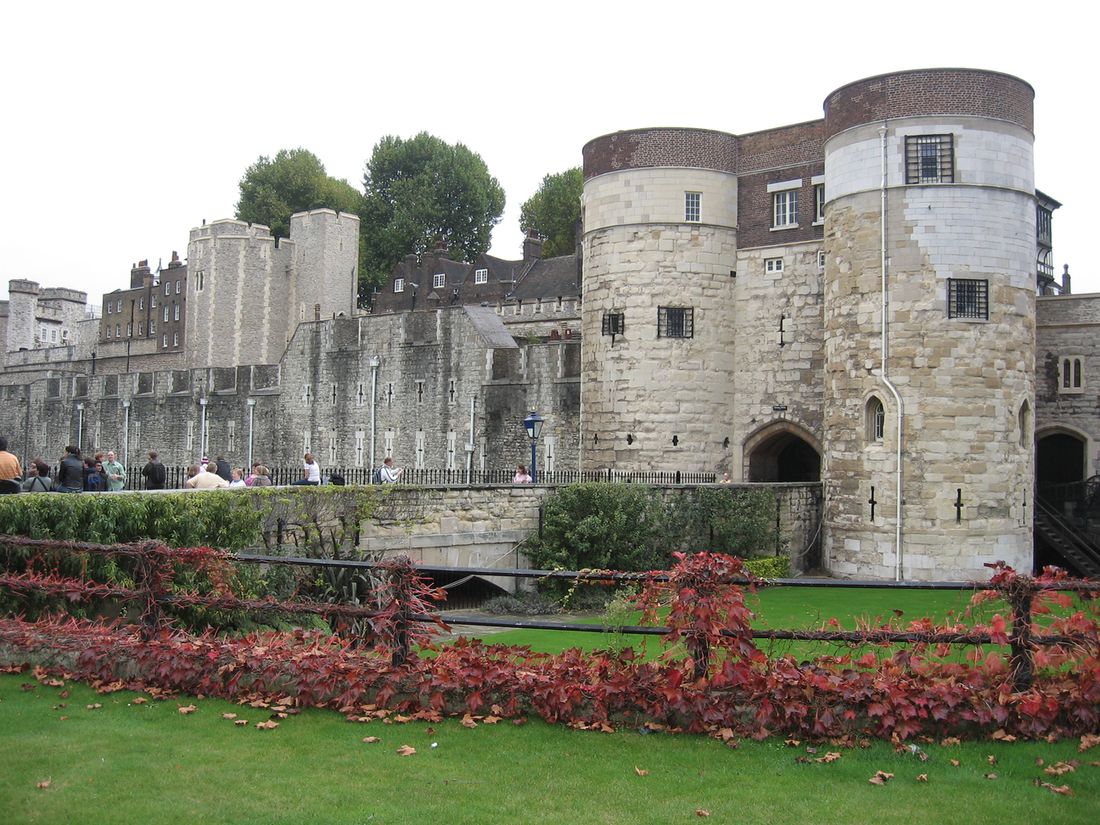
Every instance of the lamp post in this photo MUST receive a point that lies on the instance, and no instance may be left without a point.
(202, 430)
(533, 424)
(126, 434)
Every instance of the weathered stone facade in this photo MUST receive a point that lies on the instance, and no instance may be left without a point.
(729, 320)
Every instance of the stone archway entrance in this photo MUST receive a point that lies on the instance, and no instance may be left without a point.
(782, 452)
(1060, 458)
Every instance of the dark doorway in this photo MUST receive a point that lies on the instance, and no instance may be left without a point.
(784, 457)
(1059, 459)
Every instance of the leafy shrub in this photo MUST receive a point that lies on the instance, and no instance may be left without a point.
(600, 526)
(769, 567)
(632, 527)
(523, 604)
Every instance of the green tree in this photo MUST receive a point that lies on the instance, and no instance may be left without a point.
(554, 210)
(294, 181)
(419, 192)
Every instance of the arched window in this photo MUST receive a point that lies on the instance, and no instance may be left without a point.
(1070, 378)
(874, 419)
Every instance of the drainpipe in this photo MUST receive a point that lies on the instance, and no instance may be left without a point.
(126, 434)
(885, 352)
(251, 421)
(79, 425)
(470, 443)
(202, 431)
(375, 362)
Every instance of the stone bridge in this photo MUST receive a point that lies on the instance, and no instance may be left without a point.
(482, 526)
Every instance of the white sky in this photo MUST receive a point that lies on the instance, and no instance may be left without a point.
(126, 124)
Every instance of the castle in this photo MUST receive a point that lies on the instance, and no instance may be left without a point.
(866, 299)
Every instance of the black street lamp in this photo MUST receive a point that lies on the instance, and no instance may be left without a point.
(533, 424)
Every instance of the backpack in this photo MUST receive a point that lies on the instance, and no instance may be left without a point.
(376, 476)
(337, 479)
(160, 473)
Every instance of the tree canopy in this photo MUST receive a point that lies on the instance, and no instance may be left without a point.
(420, 192)
(294, 181)
(554, 210)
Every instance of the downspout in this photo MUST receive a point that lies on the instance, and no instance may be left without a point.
(470, 443)
(251, 423)
(126, 434)
(885, 352)
(374, 363)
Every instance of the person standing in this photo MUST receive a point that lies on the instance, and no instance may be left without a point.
(115, 472)
(94, 479)
(9, 464)
(70, 475)
(206, 479)
(38, 478)
(388, 473)
(311, 472)
(154, 473)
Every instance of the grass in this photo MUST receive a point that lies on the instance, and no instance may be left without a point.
(781, 607)
(147, 763)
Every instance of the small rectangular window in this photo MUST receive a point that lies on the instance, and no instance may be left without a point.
(693, 207)
(165, 341)
(141, 303)
(821, 260)
(439, 280)
(819, 203)
(129, 330)
(167, 287)
(109, 305)
(175, 339)
(968, 298)
(675, 322)
(929, 159)
(199, 281)
(108, 330)
(785, 209)
(177, 287)
(118, 306)
(166, 313)
(176, 312)
(481, 276)
(773, 264)
(613, 323)
(398, 285)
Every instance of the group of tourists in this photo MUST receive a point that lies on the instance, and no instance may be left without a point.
(104, 473)
(75, 474)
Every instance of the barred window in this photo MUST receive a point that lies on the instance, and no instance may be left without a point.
(693, 207)
(930, 159)
(967, 298)
(613, 323)
(675, 322)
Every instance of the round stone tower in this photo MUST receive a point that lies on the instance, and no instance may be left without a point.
(929, 181)
(660, 247)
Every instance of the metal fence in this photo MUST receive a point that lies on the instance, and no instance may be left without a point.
(176, 475)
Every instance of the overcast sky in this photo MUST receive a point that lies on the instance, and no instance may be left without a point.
(126, 124)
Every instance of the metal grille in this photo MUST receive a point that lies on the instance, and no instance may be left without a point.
(613, 323)
(930, 159)
(967, 298)
(675, 322)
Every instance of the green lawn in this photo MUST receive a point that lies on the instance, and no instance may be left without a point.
(782, 607)
(127, 763)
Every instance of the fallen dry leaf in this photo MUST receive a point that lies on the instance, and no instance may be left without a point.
(1089, 740)
(62, 718)
(991, 759)
(402, 719)
(490, 720)
(229, 716)
(54, 683)
(831, 756)
(1000, 735)
(640, 771)
(94, 706)
(951, 740)
(1063, 790)
(792, 743)
(880, 778)
(186, 709)
(991, 776)
(702, 812)
(45, 783)
(406, 750)
(240, 723)
(954, 763)
(270, 724)
(63, 694)
(606, 728)
(1039, 761)
(468, 721)
(139, 700)
(1059, 768)
(725, 734)
(429, 730)
(370, 740)
(521, 721)
(923, 777)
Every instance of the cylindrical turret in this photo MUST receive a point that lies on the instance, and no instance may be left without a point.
(22, 309)
(930, 175)
(660, 244)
